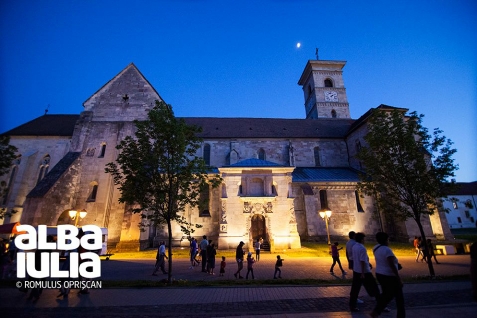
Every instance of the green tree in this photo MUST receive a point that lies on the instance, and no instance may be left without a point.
(406, 168)
(7, 155)
(158, 171)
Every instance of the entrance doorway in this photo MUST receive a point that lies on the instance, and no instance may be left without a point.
(259, 230)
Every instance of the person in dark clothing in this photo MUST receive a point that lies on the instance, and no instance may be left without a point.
(239, 258)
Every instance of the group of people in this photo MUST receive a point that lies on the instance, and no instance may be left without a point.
(387, 273)
(425, 250)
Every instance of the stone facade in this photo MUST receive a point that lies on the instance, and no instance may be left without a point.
(277, 173)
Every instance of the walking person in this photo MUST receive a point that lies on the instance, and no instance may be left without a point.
(239, 258)
(203, 252)
(257, 250)
(250, 262)
(387, 273)
(430, 251)
(193, 252)
(278, 270)
(419, 249)
(160, 257)
(349, 255)
(335, 254)
(361, 273)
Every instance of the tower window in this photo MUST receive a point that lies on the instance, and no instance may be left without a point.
(316, 153)
(328, 83)
(333, 113)
(207, 154)
(454, 204)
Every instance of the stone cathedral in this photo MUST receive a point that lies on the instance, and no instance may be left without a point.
(277, 173)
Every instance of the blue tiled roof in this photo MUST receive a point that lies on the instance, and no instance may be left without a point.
(318, 174)
(254, 162)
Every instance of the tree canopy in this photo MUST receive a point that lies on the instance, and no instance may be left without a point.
(7, 155)
(158, 171)
(406, 168)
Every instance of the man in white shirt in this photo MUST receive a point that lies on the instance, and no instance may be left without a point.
(361, 272)
(203, 252)
(387, 273)
(349, 254)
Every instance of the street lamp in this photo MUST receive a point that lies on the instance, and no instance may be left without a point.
(76, 216)
(325, 214)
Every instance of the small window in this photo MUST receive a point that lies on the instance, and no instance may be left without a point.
(454, 204)
(316, 153)
(207, 154)
(309, 90)
(323, 199)
(471, 219)
(328, 83)
(358, 202)
(459, 220)
(333, 113)
(44, 166)
(261, 154)
(467, 214)
(103, 150)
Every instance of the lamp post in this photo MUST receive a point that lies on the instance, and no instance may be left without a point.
(77, 215)
(325, 214)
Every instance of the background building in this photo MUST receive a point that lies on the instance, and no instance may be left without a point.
(277, 173)
(461, 205)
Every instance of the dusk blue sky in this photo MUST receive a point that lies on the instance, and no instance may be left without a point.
(240, 59)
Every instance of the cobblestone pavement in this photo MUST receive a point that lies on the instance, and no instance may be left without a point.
(436, 299)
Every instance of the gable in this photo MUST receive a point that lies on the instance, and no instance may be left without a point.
(126, 97)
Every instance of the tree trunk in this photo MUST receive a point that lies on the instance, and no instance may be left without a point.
(169, 252)
(424, 240)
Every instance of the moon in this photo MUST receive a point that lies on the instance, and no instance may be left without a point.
(298, 45)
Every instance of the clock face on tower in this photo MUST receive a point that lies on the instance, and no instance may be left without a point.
(331, 96)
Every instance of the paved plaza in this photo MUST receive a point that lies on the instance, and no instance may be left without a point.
(436, 298)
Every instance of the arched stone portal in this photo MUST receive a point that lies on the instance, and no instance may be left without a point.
(258, 227)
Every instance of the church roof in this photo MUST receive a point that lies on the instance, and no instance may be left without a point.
(464, 188)
(46, 125)
(270, 127)
(254, 162)
(212, 127)
(320, 174)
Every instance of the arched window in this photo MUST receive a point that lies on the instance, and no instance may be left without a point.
(359, 206)
(323, 200)
(261, 154)
(44, 166)
(328, 83)
(316, 153)
(204, 202)
(103, 150)
(93, 191)
(206, 155)
(333, 113)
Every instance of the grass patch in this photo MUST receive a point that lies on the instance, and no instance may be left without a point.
(308, 249)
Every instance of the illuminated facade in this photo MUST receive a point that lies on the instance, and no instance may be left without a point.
(277, 173)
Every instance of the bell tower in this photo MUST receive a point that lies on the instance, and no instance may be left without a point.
(324, 91)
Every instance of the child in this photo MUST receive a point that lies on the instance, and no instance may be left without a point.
(278, 264)
(335, 254)
(222, 266)
(250, 262)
